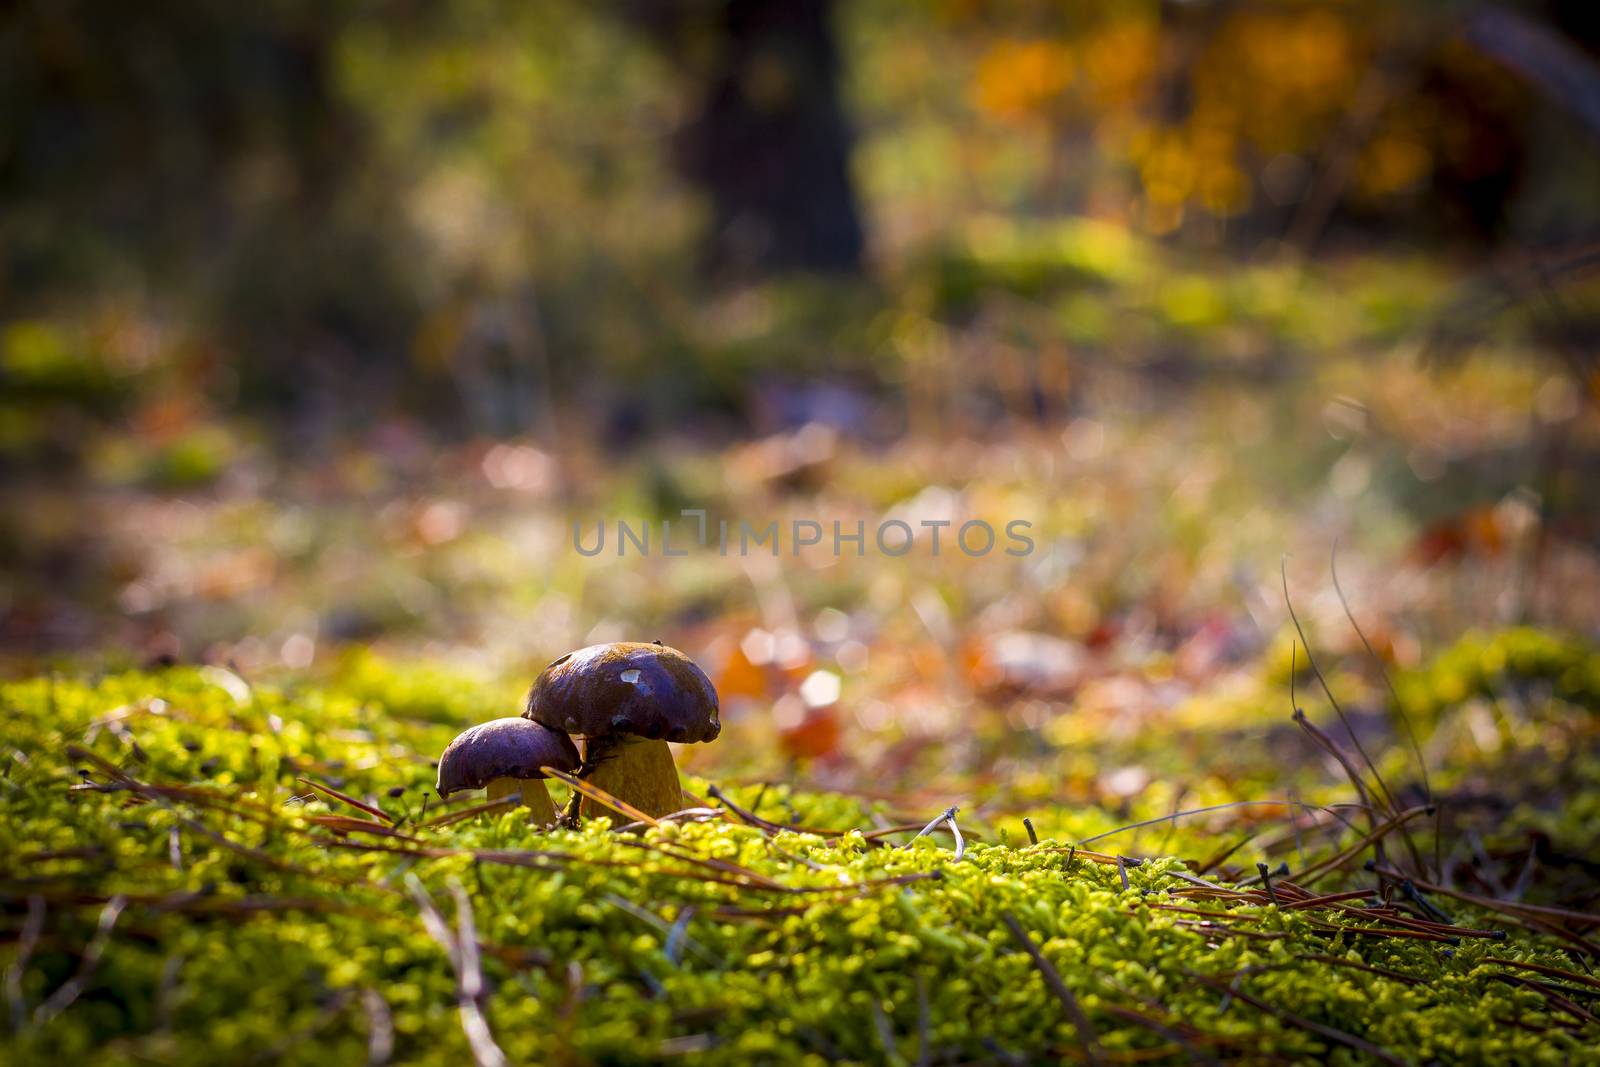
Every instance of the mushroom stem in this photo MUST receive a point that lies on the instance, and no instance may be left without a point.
(635, 769)
(534, 796)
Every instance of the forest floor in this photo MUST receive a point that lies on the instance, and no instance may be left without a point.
(1324, 612)
(204, 870)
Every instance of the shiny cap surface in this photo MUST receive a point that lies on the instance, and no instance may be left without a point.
(627, 687)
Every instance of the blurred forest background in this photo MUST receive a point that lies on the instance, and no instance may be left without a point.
(321, 323)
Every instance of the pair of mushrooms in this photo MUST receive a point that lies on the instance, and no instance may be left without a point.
(625, 699)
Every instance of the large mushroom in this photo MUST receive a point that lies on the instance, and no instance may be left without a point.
(508, 756)
(628, 699)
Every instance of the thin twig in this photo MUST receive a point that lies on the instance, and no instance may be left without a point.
(1173, 816)
(1331, 747)
(1266, 879)
(462, 949)
(1187, 877)
(1550, 993)
(1432, 910)
(1383, 672)
(463, 814)
(1052, 978)
(748, 817)
(948, 816)
(1316, 671)
(944, 816)
(380, 1028)
(1317, 870)
(885, 1032)
(1377, 1052)
(1394, 697)
(346, 798)
(1179, 1041)
(32, 927)
(484, 1049)
(673, 933)
(678, 936)
(73, 987)
(1553, 972)
(601, 797)
(1516, 906)
(1341, 961)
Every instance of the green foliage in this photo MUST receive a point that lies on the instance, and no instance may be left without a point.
(1506, 663)
(1034, 260)
(254, 928)
(422, 691)
(41, 361)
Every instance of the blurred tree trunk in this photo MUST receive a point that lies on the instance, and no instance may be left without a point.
(769, 143)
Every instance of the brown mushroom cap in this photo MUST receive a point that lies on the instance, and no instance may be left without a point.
(503, 748)
(627, 687)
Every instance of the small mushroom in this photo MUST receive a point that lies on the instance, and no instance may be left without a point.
(628, 699)
(507, 756)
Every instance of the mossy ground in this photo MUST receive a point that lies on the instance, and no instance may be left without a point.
(176, 893)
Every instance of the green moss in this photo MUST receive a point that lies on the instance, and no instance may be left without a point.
(252, 931)
(1506, 663)
(423, 691)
